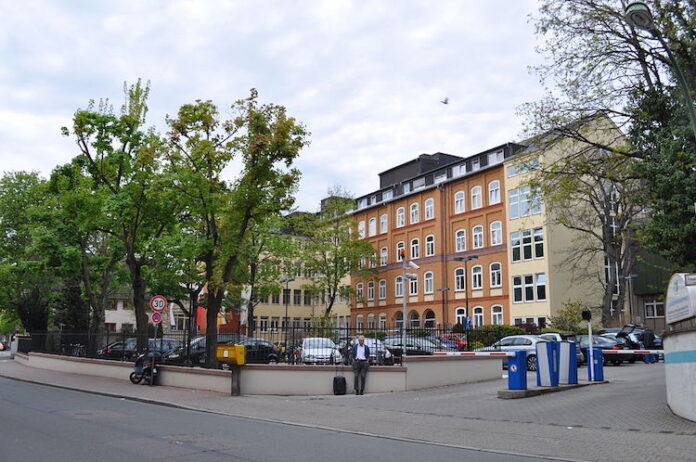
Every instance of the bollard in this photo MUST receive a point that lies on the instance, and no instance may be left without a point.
(597, 367)
(547, 364)
(568, 363)
(517, 371)
(236, 373)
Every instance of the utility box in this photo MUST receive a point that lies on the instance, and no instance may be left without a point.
(231, 354)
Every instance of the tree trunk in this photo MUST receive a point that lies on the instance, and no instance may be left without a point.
(139, 286)
(214, 304)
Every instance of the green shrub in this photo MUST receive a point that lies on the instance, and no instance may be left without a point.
(458, 328)
(419, 333)
(379, 334)
(475, 345)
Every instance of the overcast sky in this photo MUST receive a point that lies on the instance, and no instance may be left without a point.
(365, 77)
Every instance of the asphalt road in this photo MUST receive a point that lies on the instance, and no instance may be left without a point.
(42, 423)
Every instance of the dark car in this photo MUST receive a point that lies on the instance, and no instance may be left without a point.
(196, 353)
(414, 346)
(118, 350)
(604, 343)
(259, 350)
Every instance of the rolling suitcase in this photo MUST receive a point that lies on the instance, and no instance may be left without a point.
(339, 385)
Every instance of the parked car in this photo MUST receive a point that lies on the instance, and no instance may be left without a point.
(379, 353)
(197, 350)
(118, 350)
(605, 343)
(525, 343)
(414, 346)
(457, 341)
(319, 350)
(259, 350)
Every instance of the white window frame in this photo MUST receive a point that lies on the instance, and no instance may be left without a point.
(400, 250)
(513, 204)
(494, 192)
(653, 309)
(384, 256)
(359, 292)
(429, 209)
(497, 315)
(459, 202)
(460, 240)
(477, 237)
(372, 226)
(361, 230)
(476, 199)
(460, 313)
(496, 274)
(477, 277)
(459, 279)
(428, 282)
(496, 228)
(383, 223)
(382, 289)
(414, 213)
(429, 245)
(371, 291)
(478, 316)
(399, 286)
(413, 286)
(415, 248)
(400, 217)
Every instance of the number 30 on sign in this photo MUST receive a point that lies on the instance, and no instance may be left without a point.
(158, 303)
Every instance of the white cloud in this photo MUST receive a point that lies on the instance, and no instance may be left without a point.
(365, 77)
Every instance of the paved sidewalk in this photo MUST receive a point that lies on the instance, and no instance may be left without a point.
(626, 419)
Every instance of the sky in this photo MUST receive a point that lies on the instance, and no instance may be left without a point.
(365, 77)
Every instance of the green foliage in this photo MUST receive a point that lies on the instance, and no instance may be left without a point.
(419, 333)
(490, 334)
(458, 328)
(378, 334)
(569, 318)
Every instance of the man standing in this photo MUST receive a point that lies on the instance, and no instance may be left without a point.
(360, 354)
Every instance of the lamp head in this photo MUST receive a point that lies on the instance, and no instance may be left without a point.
(638, 14)
(412, 265)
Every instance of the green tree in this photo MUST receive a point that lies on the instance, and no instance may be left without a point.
(569, 318)
(330, 251)
(265, 141)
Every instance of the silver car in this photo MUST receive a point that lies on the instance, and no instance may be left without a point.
(525, 343)
(319, 350)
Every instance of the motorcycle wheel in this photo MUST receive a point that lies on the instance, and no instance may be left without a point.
(135, 378)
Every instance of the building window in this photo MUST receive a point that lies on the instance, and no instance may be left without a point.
(540, 282)
(429, 245)
(400, 217)
(413, 286)
(461, 316)
(524, 202)
(538, 242)
(428, 282)
(460, 241)
(372, 227)
(361, 230)
(418, 183)
(387, 195)
(496, 157)
(359, 322)
(517, 289)
(297, 297)
(399, 286)
(384, 223)
(382, 289)
(263, 324)
(414, 213)
(400, 251)
(514, 203)
(496, 275)
(371, 324)
(275, 298)
(275, 323)
(429, 209)
(477, 277)
(496, 233)
(494, 192)
(359, 292)
(286, 296)
(383, 256)
(459, 279)
(307, 297)
(478, 236)
(478, 316)
(528, 288)
(476, 200)
(654, 309)
(497, 315)
(527, 248)
(383, 321)
(415, 249)
(370, 291)
(459, 202)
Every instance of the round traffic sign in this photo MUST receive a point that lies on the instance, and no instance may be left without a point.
(156, 318)
(158, 303)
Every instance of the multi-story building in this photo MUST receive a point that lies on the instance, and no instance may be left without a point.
(447, 214)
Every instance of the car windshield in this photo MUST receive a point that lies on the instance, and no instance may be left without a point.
(318, 343)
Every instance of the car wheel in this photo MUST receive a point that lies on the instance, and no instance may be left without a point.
(531, 363)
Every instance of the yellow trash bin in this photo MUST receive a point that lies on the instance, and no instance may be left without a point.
(231, 354)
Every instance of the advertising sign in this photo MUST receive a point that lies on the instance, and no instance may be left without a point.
(681, 298)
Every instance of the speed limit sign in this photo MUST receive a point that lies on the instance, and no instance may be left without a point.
(158, 303)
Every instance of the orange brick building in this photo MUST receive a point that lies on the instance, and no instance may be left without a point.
(436, 210)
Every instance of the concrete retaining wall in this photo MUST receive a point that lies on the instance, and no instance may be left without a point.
(680, 373)
(418, 372)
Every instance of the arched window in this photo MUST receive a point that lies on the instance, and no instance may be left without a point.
(398, 320)
(478, 236)
(399, 287)
(496, 275)
(428, 282)
(370, 291)
(496, 233)
(429, 319)
(477, 277)
(383, 256)
(478, 316)
(494, 192)
(413, 286)
(382, 289)
(459, 202)
(359, 322)
(359, 292)
(400, 251)
(384, 223)
(413, 320)
(400, 219)
(371, 324)
(429, 245)
(414, 213)
(460, 240)
(383, 321)
(429, 209)
(361, 230)
(476, 200)
(415, 249)
(372, 227)
(497, 314)
(461, 316)
(459, 279)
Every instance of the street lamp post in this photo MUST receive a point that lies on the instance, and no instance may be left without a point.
(406, 265)
(466, 279)
(639, 15)
(287, 282)
(630, 279)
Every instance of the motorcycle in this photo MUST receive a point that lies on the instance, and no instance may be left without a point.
(145, 367)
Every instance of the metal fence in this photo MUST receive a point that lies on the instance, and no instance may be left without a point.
(307, 345)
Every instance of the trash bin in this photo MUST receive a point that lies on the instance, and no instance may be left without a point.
(547, 364)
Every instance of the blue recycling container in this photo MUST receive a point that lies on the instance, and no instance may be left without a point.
(567, 363)
(517, 371)
(547, 364)
(597, 367)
